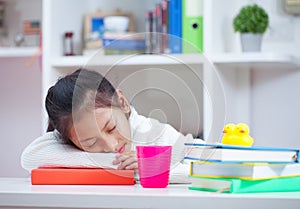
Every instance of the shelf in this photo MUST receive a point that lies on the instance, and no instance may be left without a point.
(18, 51)
(251, 57)
(255, 59)
(171, 59)
(126, 60)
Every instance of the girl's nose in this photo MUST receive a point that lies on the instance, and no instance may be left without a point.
(111, 145)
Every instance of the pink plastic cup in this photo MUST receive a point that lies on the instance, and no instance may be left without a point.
(154, 165)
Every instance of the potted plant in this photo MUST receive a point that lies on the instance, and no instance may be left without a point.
(252, 22)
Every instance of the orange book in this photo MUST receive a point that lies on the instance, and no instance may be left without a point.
(81, 176)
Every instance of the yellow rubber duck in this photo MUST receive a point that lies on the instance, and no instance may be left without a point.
(228, 132)
(240, 135)
(242, 131)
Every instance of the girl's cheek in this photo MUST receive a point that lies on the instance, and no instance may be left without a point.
(121, 133)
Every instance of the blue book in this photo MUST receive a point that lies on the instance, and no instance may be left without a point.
(175, 26)
(231, 153)
(124, 44)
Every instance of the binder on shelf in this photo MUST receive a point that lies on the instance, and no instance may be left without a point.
(158, 29)
(192, 26)
(149, 32)
(164, 26)
(175, 26)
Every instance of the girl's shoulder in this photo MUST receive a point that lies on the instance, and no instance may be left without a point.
(48, 137)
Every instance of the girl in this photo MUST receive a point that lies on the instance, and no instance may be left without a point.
(92, 124)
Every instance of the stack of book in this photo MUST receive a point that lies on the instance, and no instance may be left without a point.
(123, 43)
(237, 169)
(116, 43)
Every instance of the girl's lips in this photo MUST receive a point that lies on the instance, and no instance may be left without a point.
(122, 149)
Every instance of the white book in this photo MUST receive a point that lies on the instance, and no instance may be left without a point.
(230, 153)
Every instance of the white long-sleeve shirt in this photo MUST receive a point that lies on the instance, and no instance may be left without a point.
(50, 150)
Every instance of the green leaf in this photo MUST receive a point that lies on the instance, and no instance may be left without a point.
(251, 19)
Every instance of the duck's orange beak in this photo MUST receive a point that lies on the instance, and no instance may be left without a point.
(242, 131)
(224, 131)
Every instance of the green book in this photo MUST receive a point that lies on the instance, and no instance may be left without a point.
(192, 26)
(235, 185)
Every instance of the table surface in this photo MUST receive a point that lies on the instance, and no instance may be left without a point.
(19, 193)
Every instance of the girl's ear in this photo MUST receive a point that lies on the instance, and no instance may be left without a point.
(125, 106)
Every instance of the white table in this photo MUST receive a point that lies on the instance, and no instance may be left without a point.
(19, 193)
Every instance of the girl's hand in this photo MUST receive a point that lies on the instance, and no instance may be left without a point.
(127, 161)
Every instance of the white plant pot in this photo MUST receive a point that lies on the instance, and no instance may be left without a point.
(251, 42)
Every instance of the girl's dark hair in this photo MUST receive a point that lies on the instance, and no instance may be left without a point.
(81, 90)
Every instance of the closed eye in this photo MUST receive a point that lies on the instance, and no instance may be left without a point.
(112, 129)
(90, 143)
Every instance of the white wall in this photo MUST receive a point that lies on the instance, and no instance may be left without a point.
(282, 35)
(20, 91)
(20, 121)
(275, 98)
(275, 107)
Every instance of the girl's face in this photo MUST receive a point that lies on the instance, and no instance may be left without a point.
(103, 130)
